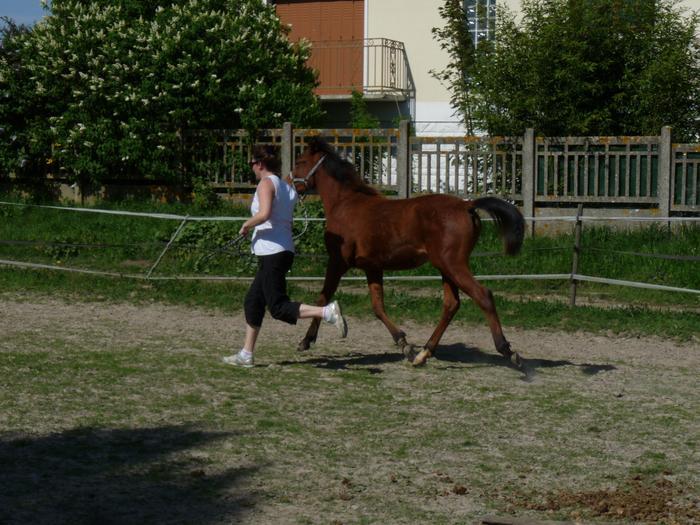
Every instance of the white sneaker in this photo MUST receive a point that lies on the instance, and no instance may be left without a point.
(239, 360)
(337, 319)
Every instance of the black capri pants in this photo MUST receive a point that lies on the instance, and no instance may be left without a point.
(269, 289)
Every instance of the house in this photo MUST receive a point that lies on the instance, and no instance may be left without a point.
(386, 50)
(382, 48)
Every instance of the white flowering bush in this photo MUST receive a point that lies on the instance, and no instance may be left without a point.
(104, 90)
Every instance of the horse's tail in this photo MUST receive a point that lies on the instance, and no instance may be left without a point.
(509, 221)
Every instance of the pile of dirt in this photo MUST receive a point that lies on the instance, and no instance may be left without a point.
(657, 500)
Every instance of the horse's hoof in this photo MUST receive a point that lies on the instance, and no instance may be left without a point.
(516, 360)
(409, 351)
(421, 358)
(303, 346)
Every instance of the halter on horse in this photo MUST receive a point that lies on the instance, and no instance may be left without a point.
(305, 180)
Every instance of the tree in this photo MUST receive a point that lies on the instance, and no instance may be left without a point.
(115, 85)
(16, 110)
(587, 67)
(360, 116)
(134, 9)
(455, 39)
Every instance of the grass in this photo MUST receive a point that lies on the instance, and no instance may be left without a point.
(113, 242)
(114, 409)
(132, 244)
(401, 304)
(145, 425)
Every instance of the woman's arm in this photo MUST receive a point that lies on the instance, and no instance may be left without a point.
(266, 193)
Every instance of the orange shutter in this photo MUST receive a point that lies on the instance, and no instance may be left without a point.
(336, 27)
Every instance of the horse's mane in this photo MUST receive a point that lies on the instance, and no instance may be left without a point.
(339, 168)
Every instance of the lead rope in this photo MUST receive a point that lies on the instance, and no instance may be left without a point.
(236, 242)
(305, 213)
(227, 248)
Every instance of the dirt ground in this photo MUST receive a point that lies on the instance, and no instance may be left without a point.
(615, 369)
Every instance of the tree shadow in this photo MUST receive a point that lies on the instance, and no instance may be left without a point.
(110, 476)
(460, 353)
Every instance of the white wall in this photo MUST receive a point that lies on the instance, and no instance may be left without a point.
(691, 4)
(411, 22)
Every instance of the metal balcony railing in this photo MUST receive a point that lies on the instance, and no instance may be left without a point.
(376, 67)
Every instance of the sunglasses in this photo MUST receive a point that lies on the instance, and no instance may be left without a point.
(253, 162)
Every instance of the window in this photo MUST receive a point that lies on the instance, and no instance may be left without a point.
(481, 19)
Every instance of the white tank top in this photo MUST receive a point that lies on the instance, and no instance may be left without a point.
(275, 234)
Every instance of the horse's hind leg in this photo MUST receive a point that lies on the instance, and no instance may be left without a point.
(483, 297)
(375, 282)
(450, 305)
(334, 271)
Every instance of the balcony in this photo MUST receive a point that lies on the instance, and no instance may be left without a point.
(376, 67)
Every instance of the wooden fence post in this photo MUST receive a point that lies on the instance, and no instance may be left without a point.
(577, 252)
(403, 160)
(663, 191)
(287, 148)
(529, 177)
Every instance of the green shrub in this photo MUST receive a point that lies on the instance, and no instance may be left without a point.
(109, 90)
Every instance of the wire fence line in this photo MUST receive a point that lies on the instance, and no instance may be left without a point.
(173, 216)
(413, 278)
(167, 216)
(573, 276)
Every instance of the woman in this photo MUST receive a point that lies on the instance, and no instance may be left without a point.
(273, 244)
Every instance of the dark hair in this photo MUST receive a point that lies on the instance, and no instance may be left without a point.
(267, 155)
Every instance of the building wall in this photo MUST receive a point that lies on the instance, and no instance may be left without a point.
(691, 4)
(411, 22)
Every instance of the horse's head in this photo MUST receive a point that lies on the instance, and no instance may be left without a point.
(319, 159)
(306, 166)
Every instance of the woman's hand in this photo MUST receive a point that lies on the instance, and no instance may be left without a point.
(244, 229)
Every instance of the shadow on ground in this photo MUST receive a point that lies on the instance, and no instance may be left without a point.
(454, 353)
(459, 353)
(110, 476)
(367, 362)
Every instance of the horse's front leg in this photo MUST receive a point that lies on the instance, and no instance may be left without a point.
(334, 271)
(375, 281)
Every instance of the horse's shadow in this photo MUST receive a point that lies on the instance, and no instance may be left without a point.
(368, 362)
(460, 353)
(454, 354)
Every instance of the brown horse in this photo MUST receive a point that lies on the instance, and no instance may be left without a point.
(368, 231)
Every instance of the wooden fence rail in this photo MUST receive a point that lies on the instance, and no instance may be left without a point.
(646, 171)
